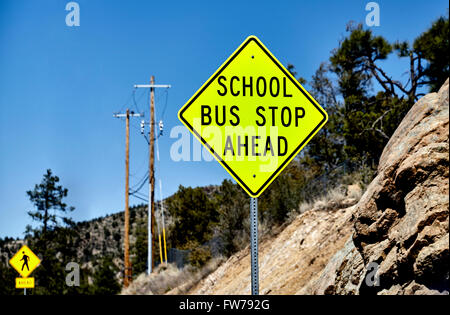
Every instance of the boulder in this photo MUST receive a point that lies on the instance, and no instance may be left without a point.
(401, 222)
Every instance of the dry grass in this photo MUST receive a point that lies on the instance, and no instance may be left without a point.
(166, 278)
(338, 198)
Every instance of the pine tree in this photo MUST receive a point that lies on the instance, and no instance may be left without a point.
(52, 240)
(105, 281)
(47, 198)
(194, 214)
(233, 209)
(433, 46)
(140, 248)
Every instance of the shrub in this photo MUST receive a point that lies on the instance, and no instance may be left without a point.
(199, 256)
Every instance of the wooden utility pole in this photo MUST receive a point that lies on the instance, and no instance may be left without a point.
(127, 211)
(127, 271)
(151, 170)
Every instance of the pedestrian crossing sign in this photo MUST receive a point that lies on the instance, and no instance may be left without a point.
(25, 261)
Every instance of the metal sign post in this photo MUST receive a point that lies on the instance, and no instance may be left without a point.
(254, 244)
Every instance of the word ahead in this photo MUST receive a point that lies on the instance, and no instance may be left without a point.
(253, 116)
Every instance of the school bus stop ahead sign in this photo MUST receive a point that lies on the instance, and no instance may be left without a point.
(253, 116)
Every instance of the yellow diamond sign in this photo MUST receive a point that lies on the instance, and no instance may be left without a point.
(25, 261)
(253, 116)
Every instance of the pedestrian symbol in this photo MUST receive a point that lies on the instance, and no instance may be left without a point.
(24, 261)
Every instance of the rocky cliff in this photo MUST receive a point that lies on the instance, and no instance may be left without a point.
(395, 240)
(401, 222)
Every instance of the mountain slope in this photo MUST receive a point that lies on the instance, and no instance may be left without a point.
(288, 261)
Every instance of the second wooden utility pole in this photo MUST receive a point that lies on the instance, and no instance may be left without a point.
(127, 271)
(126, 280)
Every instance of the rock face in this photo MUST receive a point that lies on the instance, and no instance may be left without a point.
(342, 275)
(402, 221)
(400, 239)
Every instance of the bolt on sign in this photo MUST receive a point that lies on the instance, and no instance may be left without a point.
(253, 116)
(24, 261)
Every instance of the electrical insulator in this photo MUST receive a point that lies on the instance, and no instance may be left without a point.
(142, 126)
(161, 127)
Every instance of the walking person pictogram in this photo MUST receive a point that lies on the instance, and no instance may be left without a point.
(25, 259)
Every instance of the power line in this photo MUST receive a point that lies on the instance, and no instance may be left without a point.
(126, 103)
(141, 165)
(136, 102)
(140, 186)
(135, 196)
(140, 194)
(165, 105)
(142, 179)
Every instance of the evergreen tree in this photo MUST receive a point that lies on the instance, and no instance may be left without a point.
(7, 280)
(433, 46)
(47, 198)
(233, 209)
(51, 240)
(140, 248)
(194, 216)
(279, 199)
(327, 147)
(369, 119)
(105, 281)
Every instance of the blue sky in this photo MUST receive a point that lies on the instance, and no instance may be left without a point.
(59, 85)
